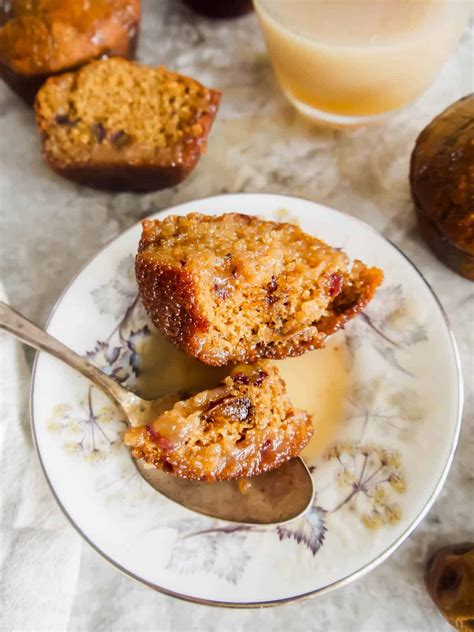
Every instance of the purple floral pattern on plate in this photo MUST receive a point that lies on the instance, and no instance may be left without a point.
(368, 476)
(370, 488)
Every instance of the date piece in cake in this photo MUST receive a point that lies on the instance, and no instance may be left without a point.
(46, 37)
(119, 125)
(244, 427)
(236, 288)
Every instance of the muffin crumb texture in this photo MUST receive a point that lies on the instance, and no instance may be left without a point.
(119, 124)
(236, 288)
(244, 427)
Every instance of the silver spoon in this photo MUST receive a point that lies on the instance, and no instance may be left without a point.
(272, 498)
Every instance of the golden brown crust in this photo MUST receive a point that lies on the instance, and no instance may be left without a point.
(85, 149)
(181, 309)
(442, 185)
(244, 427)
(134, 178)
(456, 258)
(45, 38)
(169, 298)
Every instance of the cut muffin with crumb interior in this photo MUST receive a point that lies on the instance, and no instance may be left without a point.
(236, 288)
(244, 427)
(116, 124)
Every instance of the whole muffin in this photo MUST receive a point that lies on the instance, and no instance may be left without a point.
(237, 288)
(442, 185)
(45, 37)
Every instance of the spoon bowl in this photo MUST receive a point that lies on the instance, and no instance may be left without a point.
(275, 497)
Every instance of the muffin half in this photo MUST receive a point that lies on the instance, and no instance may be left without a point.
(116, 124)
(39, 39)
(236, 288)
(244, 427)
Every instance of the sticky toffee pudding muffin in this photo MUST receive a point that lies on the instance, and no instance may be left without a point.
(236, 288)
(442, 185)
(46, 37)
(244, 427)
(120, 125)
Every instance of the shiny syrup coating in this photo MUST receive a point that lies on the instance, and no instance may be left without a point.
(244, 427)
(231, 288)
(40, 39)
(442, 185)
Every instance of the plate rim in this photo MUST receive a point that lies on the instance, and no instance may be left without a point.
(340, 582)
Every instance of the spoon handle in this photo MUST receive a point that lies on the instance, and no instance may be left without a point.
(23, 329)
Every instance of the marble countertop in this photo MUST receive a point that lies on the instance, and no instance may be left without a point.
(50, 227)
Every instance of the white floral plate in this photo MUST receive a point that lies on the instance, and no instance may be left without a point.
(380, 472)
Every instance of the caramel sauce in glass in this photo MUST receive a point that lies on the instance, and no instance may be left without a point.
(358, 58)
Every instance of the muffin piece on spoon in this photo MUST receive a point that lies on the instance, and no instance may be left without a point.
(244, 427)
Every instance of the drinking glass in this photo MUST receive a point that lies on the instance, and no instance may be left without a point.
(352, 61)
